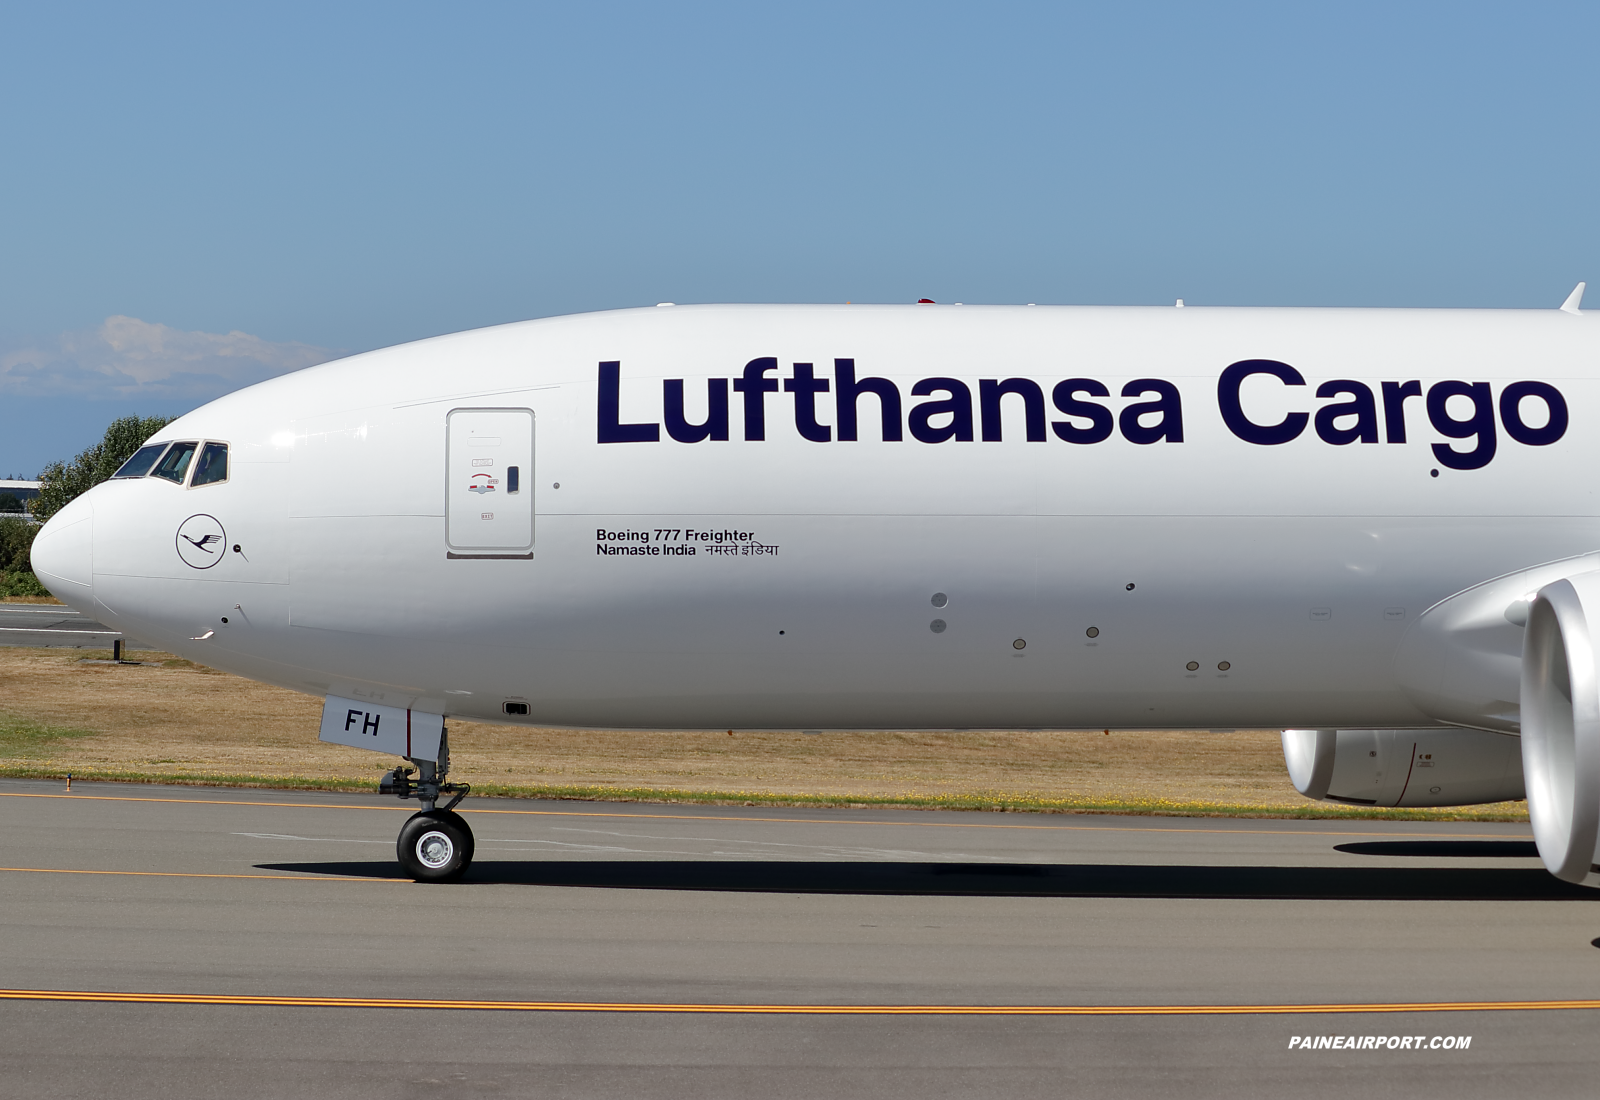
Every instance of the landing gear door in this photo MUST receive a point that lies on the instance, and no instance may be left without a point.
(489, 483)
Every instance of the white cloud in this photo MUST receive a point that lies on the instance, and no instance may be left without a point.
(126, 357)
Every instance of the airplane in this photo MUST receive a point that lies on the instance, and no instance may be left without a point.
(1372, 529)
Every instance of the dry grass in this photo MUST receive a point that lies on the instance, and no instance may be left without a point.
(172, 719)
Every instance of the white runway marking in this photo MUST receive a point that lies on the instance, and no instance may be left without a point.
(322, 839)
(37, 630)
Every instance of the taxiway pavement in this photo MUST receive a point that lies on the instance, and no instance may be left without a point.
(49, 625)
(621, 911)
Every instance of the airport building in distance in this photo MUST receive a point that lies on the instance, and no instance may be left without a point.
(15, 494)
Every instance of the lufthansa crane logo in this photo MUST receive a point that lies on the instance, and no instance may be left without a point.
(201, 541)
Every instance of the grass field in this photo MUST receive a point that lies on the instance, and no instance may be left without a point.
(168, 720)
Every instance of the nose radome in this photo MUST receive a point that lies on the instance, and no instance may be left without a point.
(63, 554)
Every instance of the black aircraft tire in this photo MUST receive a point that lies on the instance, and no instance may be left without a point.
(435, 846)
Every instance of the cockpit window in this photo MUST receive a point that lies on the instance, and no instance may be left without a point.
(175, 463)
(142, 460)
(213, 465)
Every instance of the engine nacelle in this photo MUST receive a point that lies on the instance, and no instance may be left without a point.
(1561, 726)
(1460, 662)
(1420, 767)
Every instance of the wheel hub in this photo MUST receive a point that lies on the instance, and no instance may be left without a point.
(435, 849)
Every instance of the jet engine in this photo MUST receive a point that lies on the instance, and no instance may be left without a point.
(1463, 662)
(1414, 767)
(1561, 726)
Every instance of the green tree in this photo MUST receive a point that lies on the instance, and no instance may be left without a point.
(16, 538)
(60, 482)
(16, 571)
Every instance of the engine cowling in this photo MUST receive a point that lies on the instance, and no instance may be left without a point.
(1561, 726)
(1405, 767)
(1460, 662)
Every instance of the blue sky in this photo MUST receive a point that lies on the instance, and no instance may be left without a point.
(198, 196)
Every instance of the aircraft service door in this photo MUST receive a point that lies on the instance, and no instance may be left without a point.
(488, 497)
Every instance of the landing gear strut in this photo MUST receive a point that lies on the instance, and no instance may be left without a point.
(435, 845)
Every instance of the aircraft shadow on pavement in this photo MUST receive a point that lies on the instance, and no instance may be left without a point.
(1447, 849)
(1082, 880)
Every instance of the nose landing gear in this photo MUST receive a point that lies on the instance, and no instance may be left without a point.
(435, 845)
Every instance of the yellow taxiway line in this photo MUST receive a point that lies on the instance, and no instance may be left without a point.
(479, 808)
(249, 1001)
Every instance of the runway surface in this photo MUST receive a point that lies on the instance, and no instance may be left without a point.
(636, 950)
(49, 625)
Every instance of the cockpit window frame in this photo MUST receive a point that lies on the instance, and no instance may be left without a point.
(159, 448)
(194, 465)
(187, 480)
(188, 469)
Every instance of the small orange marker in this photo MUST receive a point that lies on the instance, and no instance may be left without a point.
(69, 781)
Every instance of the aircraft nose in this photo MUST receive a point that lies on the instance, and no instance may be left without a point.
(63, 554)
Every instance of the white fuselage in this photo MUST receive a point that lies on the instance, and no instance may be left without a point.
(1182, 571)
